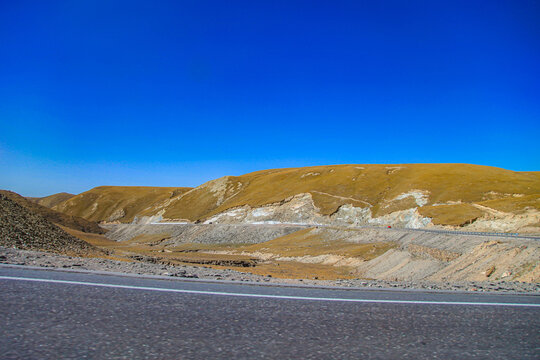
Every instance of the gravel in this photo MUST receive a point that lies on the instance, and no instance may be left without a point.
(70, 221)
(143, 267)
(24, 229)
(202, 233)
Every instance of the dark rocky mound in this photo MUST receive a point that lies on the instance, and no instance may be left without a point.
(22, 229)
(56, 217)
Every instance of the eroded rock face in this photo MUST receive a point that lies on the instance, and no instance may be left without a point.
(296, 210)
(300, 209)
(117, 214)
(505, 222)
(348, 214)
(409, 218)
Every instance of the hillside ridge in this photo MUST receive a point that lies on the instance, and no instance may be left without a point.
(410, 195)
(117, 203)
(51, 200)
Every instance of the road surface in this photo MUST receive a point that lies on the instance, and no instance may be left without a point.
(52, 314)
(360, 227)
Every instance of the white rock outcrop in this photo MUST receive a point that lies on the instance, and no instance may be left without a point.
(300, 209)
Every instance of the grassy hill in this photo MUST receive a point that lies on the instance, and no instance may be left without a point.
(376, 186)
(117, 203)
(51, 200)
(451, 194)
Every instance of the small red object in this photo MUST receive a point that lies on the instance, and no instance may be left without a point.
(389, 227)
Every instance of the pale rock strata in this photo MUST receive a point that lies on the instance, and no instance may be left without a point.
(300, 209)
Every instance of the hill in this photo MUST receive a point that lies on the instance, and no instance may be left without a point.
(23, 229)
(51, 200)
(411, 195)
(70, 221)
(117, 203)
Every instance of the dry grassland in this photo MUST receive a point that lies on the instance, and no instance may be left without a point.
(374, 186)
(516, 205)
(454, 215)
(117, 203)
(52, 200)
(307, 243)
(247, 257)
(371, 184)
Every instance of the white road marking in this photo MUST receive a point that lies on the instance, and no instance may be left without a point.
(183, 291)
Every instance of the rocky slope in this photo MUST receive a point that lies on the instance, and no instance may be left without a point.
(201, 234)
(463, 196)
(70, 221)
(368, 253)
(23, 229)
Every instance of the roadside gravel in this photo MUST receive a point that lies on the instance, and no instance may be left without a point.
(145, 267)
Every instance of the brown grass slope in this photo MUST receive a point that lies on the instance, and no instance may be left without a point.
(454, 215)
(309, 242)
(361, 185)
(374, 186)
(70, 221)
(117, 203)
(23, 229)
(51, 200)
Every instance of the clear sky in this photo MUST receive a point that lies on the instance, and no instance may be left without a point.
(175, 93)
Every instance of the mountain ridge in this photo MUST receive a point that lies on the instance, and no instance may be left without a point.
(458, 195)
(51, 200)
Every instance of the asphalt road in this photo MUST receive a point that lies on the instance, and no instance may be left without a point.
(378, 227)
(52, 314)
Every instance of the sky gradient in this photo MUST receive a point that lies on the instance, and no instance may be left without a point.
(176, 93)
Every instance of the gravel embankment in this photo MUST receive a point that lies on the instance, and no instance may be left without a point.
(73, 222)
(202, 233)
(20, 228)
(43, 259)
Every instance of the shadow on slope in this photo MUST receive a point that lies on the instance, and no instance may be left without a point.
(70, 221)
(22, 229)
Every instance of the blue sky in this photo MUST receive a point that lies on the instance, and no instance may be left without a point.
(175, 93)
